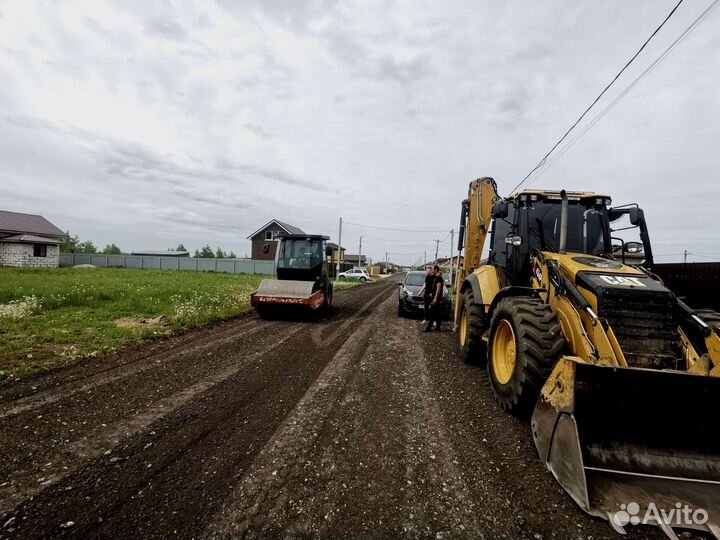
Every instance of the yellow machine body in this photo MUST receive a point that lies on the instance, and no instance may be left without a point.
(622, 415)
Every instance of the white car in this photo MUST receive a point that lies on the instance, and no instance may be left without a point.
(355, 273)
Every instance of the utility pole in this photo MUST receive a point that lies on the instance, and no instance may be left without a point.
(437, 246)
(337, 266)
(424, 259)
(452, 251)
(685, 256)
(386, 263)
(360, 254)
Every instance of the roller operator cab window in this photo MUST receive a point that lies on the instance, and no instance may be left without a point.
(585, 232)
(305, 253)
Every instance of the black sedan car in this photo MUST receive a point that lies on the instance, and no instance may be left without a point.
(410, 301)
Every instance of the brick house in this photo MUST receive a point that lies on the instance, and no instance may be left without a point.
(264, 240)
(29, 241)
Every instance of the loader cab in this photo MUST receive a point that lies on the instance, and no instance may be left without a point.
(531, 221)
(302, 258)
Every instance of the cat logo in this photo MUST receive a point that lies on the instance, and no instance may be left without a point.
(621, 280)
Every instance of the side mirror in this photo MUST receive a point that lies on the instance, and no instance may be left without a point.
(399, 283)
(633, 247)
(636, 215)
(500, 209)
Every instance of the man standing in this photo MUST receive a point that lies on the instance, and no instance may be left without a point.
(438, 285)
(427, 293)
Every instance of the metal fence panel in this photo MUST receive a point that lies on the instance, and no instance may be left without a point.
(134, 261)
(226, 266)
(186, 263)
(169, 263)
(116, 261)
(151, 263)
(695, 283)
(244, 266)
(206, 265)
(230, 266)
(99, 260)
(264, 267)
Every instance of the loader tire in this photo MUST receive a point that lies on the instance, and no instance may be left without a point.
(524, 345)
(711, 318)
(472, 326)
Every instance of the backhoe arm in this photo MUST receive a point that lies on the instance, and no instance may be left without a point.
(475, 218)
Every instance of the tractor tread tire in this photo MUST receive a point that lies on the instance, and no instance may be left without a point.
(475, 350)
(539, 345)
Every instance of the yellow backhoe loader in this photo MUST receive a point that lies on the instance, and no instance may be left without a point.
(620, 377)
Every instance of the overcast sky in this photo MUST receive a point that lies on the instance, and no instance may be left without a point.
(148, 123)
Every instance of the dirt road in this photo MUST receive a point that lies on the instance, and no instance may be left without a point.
(355, 426)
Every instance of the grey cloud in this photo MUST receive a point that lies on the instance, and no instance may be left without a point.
(404, 71)
(166, 29)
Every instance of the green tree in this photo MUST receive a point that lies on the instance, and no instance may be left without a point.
(232, 255)
(219, 253)
(111, 249)
(70, 244)
(206, 252)
(86, 247)
(180, 247)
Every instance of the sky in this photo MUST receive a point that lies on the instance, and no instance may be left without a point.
(148, 124)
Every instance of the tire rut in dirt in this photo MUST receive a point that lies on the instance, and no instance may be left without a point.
(369, 459)
(52, 381)
(170, 477)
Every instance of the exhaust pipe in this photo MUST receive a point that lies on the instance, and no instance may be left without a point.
(562, 248)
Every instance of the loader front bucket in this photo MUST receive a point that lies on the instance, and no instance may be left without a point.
(633, 445)
(279, 296)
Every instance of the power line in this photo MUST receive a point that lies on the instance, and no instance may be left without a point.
(704, 256)
(627, 90)
(600, 95)
(393, 229)
(393, 242)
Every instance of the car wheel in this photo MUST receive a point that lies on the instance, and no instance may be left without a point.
(401, 311)
(341, 278)
(363, 280)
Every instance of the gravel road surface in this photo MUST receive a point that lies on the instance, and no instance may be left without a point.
(357, 425)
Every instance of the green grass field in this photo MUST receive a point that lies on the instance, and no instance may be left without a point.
(52, 317)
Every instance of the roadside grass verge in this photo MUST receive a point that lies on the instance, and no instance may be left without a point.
(52, 317)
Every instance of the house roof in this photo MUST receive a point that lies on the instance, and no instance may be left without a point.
(15, 222)
(30, 239)
(290, 229)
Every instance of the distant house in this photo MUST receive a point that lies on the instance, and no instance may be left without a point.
(335, 253)
(356, 260)
(161, 253)
(264, 240)
(29, 241)
(391, 267)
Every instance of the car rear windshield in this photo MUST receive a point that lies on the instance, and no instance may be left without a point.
(415, 279)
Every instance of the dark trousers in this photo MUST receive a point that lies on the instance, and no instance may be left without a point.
(435, 316)
(427, 301)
